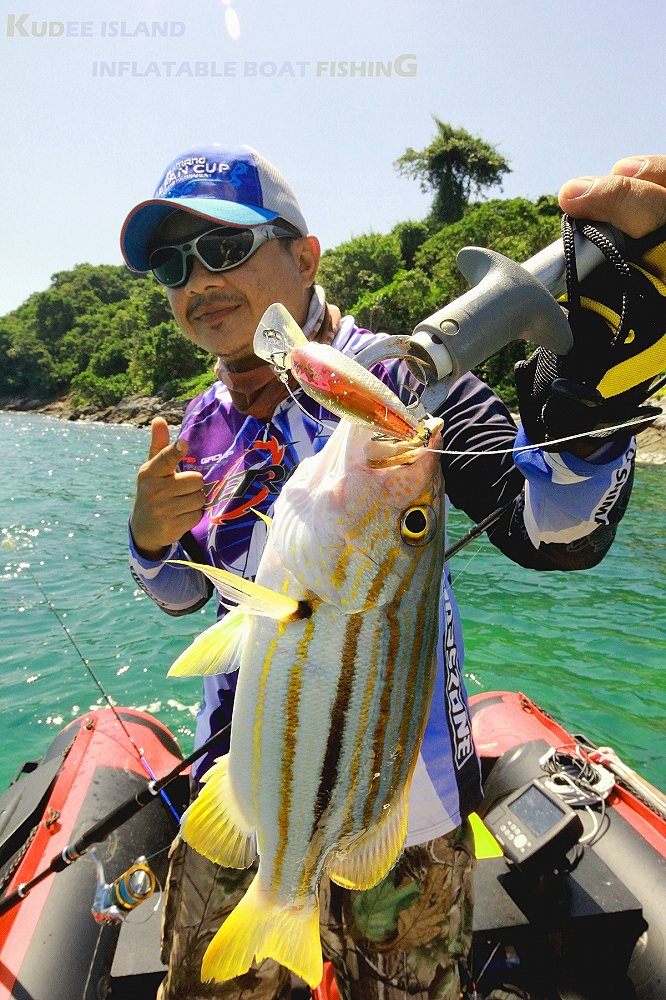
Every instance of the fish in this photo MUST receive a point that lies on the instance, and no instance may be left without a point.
(335, 642)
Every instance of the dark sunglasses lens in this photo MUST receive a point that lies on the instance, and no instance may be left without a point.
(226, 249)
(167, 264)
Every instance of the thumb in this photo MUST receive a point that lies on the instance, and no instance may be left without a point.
(159, 436)
(164, 454)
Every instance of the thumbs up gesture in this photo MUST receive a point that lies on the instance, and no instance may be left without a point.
(168, 502)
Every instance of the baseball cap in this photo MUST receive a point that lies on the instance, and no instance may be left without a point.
(230, 184)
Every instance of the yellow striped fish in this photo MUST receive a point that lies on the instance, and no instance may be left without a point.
(336, 644)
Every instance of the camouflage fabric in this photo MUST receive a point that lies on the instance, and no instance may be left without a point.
(404, 938)
(200, 895)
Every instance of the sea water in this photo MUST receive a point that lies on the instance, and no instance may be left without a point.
(589, 647)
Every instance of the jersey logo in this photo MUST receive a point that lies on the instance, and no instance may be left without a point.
(460, 724)
(256, 475)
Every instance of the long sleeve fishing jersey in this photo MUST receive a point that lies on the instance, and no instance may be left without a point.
(564, 516)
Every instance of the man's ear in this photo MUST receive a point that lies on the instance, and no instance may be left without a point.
(308, 254)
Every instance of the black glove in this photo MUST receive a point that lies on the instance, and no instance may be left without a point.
(618, 319)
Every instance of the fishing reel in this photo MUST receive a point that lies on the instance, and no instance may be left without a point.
(115, 900)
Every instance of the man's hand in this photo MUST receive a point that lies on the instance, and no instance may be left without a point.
(617, 314)
(631, 198)
(168, 503)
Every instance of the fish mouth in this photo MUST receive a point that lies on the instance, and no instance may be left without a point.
(383, 452)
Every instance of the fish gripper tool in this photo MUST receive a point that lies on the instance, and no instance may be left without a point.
(507, 301)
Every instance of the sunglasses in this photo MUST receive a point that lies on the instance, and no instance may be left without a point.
(219, 249)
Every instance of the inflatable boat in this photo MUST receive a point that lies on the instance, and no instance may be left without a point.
(52, 945)
(575, 906)
(570, 883)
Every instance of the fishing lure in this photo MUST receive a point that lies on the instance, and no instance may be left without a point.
(333, 379)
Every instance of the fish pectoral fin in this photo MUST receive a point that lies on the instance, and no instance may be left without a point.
(213, 825)
(371, 857)
(260, 927)
(216, 650)
(253, 598)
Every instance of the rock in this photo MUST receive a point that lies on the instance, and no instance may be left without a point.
(140, 410)
(652, 442)
(136, 410)
(23, 403)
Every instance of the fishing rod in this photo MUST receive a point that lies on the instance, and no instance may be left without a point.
(86, 663)
(107, 824)
(478, 529)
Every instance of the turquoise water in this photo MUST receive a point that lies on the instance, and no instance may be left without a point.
(589, 647)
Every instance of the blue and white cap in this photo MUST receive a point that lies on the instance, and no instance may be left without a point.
(231, 184)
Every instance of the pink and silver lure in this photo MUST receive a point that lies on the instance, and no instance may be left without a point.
(336, 381)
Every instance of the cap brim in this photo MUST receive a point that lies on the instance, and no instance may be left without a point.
(142, 221)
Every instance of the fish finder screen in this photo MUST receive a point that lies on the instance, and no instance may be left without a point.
(536, 811)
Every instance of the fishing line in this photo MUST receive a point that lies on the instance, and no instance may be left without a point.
(465, 566)
(146, 766)
(283, 377)
(600, 432)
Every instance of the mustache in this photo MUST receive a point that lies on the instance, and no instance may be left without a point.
(204, 301)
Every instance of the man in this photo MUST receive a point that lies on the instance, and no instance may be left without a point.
(224, 233)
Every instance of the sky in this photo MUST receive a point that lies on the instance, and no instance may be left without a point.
(98, 99)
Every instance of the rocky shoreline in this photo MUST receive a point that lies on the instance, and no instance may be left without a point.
(140, 410)
(135, 410)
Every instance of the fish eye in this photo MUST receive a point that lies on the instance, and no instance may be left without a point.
(418, 525)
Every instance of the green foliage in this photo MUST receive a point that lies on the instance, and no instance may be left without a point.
(515, 227)
(162, 358)
(363, 264)
(411, 236)
(455, 165)
(394, 307)
(101, 332)
(25, 362)
(191, 387)
(104, 332)
(99, 391)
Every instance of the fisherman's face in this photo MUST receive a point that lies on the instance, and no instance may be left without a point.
(220, 311)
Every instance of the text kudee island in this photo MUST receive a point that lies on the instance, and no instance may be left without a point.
(26, 26)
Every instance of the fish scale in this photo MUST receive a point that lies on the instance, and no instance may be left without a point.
(335, 682)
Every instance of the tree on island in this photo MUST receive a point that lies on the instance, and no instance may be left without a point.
(456, 166)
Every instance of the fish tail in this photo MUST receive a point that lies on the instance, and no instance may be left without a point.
(260, 928)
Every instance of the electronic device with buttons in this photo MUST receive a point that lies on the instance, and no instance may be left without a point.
(534, 827)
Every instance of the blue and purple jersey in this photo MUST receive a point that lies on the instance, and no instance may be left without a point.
(564, 517)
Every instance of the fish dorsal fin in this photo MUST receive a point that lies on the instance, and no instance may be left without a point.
(252, 597)
(213, 826)
(216, 651)
(371, 857)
